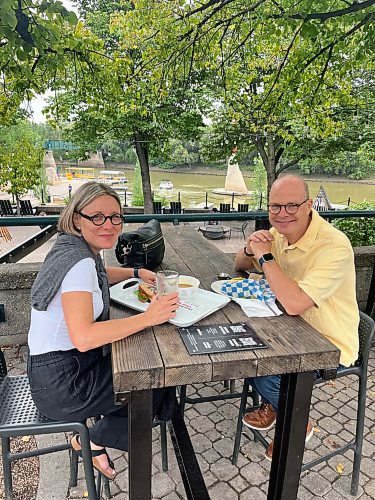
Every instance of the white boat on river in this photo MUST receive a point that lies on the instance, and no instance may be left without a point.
(165, 184)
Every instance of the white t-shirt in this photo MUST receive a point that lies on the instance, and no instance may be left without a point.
(48, 331)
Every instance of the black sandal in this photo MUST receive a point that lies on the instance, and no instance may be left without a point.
(76, 445)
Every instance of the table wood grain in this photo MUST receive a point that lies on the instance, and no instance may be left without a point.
(157, 357)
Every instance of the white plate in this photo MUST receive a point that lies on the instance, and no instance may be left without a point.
(216, 287)
(190, 311)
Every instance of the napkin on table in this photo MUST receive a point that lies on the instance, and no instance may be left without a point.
(258, 308)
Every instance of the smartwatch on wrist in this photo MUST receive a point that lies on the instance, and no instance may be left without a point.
(267, 257)
(136, 272)
(247, 253)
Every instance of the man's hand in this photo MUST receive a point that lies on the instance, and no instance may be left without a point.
(260, 242)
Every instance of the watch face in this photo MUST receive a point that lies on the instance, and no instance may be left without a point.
(268, 257)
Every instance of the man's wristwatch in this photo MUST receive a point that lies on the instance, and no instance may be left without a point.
(267, 257)
(136, 272)
(247, 253)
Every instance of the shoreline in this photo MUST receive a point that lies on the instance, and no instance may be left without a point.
(222, 173)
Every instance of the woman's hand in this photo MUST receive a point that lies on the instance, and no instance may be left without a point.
(162, 309)
(147, 276)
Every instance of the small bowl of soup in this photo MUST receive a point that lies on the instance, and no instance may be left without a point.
(187, 286)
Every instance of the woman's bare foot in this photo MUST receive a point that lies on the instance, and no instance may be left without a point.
(100, 459)
(103, 460)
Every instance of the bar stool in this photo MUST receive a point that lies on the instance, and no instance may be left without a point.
(20, 417)
(365, 332)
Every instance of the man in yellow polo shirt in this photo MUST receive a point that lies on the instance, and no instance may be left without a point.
(309, 265)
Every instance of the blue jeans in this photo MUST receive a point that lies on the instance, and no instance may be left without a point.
(269, 387)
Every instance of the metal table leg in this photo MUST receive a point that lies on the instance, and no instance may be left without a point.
(290, 433)
(191, 474)
(140, 445)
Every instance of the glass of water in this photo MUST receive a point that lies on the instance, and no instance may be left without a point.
(166, 282)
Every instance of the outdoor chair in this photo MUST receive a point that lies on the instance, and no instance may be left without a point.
(365, 332)
(175, 207)
(6, 208)
(26, 208)
(20, 417)
(158, 209)
(224, 208)
(239, 229)
(243, 207)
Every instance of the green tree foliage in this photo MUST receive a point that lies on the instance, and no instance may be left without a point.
(20, 168)
(359, 230)
(279, 70)
(35, 38)
(119, 101)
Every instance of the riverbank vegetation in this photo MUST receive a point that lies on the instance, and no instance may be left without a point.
(175, 83)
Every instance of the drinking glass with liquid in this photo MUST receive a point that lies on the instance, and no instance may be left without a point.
(166, 282)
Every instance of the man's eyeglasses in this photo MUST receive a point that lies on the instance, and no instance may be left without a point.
(290, 208)
(100, 219)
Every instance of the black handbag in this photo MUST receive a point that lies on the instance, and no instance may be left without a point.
(141, 248)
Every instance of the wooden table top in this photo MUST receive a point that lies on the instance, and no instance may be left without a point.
(157, 357)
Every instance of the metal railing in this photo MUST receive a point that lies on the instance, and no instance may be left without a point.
(48, 225)
(258, 215)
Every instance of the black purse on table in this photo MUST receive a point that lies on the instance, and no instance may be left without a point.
(141, 248)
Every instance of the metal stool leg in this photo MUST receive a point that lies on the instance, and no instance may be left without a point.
(237, 440)
(257, 435)
(182, 398)
(73, 468)
(107, 491)
(87, 462)
(362, 382)
(7, 468)
(164, 453)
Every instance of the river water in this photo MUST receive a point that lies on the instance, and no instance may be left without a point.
(192, 188)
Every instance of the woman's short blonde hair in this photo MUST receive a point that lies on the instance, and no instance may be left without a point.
(84, 195)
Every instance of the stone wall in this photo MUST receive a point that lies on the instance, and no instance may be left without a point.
(15, 284)
(16, 281)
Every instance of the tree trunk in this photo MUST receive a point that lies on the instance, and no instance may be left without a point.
(266, 150)
(18, 210)
(271, 163)
(142, 154)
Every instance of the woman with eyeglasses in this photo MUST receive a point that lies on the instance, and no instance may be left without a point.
(69, 366)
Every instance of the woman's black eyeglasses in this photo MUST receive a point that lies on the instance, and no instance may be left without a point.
(290, 208)
(100, 219)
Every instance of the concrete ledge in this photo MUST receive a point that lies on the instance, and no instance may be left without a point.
(16, 281)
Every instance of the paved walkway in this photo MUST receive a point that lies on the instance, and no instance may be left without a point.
(212, 428)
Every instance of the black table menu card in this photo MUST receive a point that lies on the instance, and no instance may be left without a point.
(209, 339)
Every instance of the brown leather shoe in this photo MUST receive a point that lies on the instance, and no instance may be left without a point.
(261, 419)
(309, 434)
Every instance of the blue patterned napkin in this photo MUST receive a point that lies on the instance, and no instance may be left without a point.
(248, 289)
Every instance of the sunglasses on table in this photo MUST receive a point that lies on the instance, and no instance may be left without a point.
(100, 219)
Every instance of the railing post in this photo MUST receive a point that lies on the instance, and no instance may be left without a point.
(125, 205)
(179, 196)
(206, 200)
(233, 201)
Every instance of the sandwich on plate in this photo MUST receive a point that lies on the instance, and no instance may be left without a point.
(145, 292)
